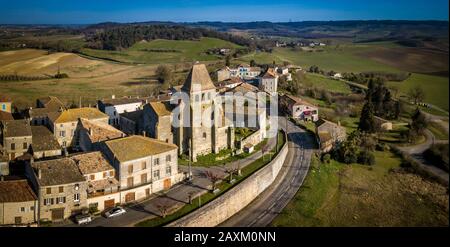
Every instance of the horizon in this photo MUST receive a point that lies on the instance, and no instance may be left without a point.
(83, 12)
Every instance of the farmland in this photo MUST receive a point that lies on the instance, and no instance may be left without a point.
(164, 51)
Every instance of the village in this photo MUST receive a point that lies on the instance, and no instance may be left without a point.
(58, 162)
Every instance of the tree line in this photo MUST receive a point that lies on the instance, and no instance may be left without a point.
(122, 37)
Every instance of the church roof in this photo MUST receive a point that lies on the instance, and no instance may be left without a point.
(198, 79)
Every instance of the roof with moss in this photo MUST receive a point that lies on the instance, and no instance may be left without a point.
(161, 108)
(136, 147)
(72, 115)
(16, 191)
(43, 139)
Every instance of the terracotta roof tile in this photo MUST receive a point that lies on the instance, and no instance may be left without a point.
(43, 139)
(14, 128)
(16, 191)
(91, 162)
(100, 132)
(72, 115)
(57, 171)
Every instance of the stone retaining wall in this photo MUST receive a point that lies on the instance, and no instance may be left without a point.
(236, 198)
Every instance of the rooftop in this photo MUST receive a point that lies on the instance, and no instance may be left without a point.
(133, 116)
(72, 115)
(270, 73)
(98, 132)
(135, 147)
(324, 136)
(57, 172)
(161, 108)
(43, 139)
(16, 191)
(40, 112)
(4, 98)
(52, 103)
(6, 116)
(298, 101)
(121, 101)
(198, 79)
(15, 128)
(91, 162)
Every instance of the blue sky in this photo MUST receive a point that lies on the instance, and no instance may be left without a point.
(94, 11)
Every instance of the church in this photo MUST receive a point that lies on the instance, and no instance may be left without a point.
(195, 119)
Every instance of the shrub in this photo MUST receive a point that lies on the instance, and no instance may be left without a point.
(326, 158)
(366, 158)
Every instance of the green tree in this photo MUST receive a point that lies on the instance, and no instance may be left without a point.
(227, 60)
(252, 63)
(367, 120)
(416, 94)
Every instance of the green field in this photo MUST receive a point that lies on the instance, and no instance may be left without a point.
(435, 88)
(342, 59)
(328, 84)
(336, 194)
(165, 51)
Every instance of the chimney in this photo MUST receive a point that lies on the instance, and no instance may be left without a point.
(113, 96)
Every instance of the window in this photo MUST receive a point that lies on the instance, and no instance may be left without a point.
(32, 208)
(77, 186)
(61, 125)
(130, 182)
(64, 143)
(111, 173)
(92, 177)
(168, 170)
(48, 201)
(204, 135)
(156, 175)
(144, 178)
(76, 197)
(168, 157)
(130, 169)
(197, 98)
(144, 165)
(62, 133)
(25, 145)
(61, 189)
(22, 209)
(49, 191)
(61, 199)
(13, 146)
(4, 107)
(105, 174)
(156, 161)
(209, 96)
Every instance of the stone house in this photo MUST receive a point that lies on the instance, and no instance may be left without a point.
(4, 164)
(18, 203)
(93, 134)
(16, 137)
(45, 106)
(269, 81)
(5, 104)
(44, 143)
(329, 134)
(60, 186)
(131, 123)
(103, 187)
(65, 127)
(298, 108)
(115, 106)
(157, 120)
(243, 71)
(143, 166)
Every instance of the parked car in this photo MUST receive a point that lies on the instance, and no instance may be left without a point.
(83, 219)
(115, 212)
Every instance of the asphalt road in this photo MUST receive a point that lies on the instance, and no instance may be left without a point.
(263, 210)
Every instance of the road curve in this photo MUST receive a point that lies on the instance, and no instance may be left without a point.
(263, 210)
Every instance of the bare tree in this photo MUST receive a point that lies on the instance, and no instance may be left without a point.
(213, 178)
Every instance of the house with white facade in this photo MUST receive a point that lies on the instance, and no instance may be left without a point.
(269, 81)
(299, 109)
(115, 106)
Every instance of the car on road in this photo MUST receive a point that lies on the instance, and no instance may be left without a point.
(115, 212)
(83, 219)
